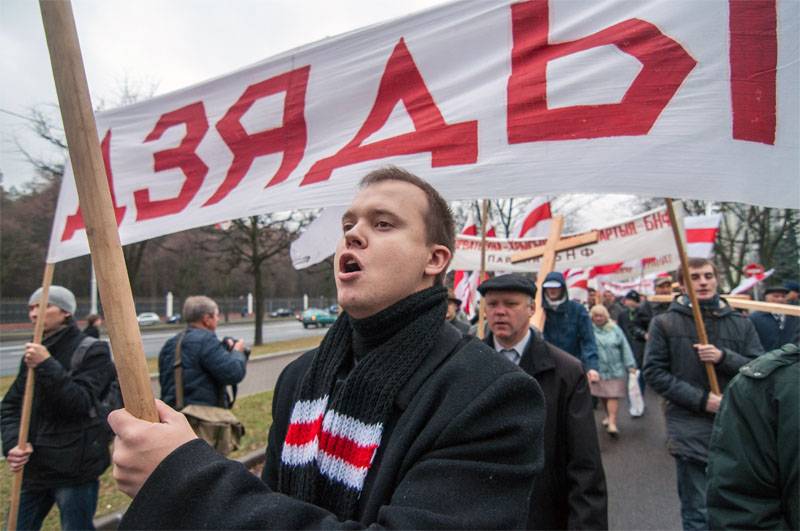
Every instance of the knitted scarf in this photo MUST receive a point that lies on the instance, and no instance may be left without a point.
(337, 420)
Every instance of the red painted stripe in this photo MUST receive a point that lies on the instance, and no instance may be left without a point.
(347, 449)
(701, 235)
(606, 269)
(754, 59)
(300, 433)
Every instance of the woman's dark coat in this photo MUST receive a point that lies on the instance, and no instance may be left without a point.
(570, 493)
(460, 450)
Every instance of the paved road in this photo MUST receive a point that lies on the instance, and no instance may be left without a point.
(640, 474)
(11, 352)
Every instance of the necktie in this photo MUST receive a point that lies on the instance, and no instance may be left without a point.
(511, 355)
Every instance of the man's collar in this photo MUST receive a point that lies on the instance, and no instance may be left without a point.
(519, 347)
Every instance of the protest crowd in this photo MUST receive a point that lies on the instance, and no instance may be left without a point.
(403, 418)
(470, 380)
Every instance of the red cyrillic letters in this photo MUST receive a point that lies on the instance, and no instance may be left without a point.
(183, 157)
(754, 60)
(665, 64)
(290, 138)
(402, 81)
(75, 221)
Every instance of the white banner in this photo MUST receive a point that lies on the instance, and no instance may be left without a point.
(483, 99)
(631, 248)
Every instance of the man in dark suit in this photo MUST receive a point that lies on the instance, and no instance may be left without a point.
(570, 493)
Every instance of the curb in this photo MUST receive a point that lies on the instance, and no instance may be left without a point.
(110, 522)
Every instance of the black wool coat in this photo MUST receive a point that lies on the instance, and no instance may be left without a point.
(570, 493)
(70, 446)
(461, 450)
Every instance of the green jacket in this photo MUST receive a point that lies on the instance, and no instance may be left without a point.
(753, 458)
(613, 352)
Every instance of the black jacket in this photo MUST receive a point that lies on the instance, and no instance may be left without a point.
(634, 325)
(570, 493)
(460, 450)
(207, 368)
(70, 446)
(673, 369)
(770, 332)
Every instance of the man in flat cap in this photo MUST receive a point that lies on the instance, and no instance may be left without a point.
(453, 306)
(570, 493)
(776, 329)
(68, 448)
(663, 287)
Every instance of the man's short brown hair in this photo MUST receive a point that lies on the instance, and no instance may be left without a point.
(440, 228)
(697, 263)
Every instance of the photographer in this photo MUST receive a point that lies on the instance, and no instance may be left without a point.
(205, 364)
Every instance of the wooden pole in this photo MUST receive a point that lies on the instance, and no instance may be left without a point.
(546, 266)
(96, 207)
(482, 305)
(687, 282)
(744, 303)
(27, 399)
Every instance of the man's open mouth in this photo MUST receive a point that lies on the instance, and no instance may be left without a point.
(349, 264)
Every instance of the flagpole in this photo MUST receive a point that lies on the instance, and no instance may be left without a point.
(482, 305)
(96, 207)
(687, 281)
(27, 397)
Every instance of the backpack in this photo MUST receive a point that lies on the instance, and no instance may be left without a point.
(111, 398)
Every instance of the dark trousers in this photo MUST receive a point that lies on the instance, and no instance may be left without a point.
(692, 493)
(76, 504)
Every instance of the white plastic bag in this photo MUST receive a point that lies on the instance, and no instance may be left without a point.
(635, 395)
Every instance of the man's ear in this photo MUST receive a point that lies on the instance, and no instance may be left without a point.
(438, 260)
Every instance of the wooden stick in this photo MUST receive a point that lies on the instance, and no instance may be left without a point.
(572, 242)
(687, 282)
(737, 301)
(27, 399)
(482, 305)
(97, 209)
(546, 266)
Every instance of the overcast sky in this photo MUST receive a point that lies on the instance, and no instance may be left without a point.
(168, 44)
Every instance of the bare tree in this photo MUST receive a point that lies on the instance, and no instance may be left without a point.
(255, 241)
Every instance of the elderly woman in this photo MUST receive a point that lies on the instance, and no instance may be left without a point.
(615, 357)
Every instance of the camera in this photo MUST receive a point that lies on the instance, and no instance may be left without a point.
(228, 342)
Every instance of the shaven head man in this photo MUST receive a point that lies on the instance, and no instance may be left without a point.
(396, 420)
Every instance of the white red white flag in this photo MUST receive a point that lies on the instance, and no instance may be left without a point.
(535, 220)
(748, 283)
(483, 99)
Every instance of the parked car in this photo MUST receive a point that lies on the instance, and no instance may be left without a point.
(316, 317)
(281, 312)
(148, 318)
(173, 319)
(334, 309)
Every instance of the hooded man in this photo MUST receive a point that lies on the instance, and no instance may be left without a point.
(570, 493)
(396, 420)
(68, 448)
(567, 324)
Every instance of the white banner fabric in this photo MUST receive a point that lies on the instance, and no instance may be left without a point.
(482, 99)
(631, 248)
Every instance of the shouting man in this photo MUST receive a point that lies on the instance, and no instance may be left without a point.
(396, 420)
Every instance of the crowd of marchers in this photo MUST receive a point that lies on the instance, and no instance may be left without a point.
(403, 418)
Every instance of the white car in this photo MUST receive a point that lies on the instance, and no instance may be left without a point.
(148, 318)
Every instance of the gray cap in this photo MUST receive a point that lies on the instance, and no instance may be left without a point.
(58, 296)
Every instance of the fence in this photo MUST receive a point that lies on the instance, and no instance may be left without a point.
(16, 310)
